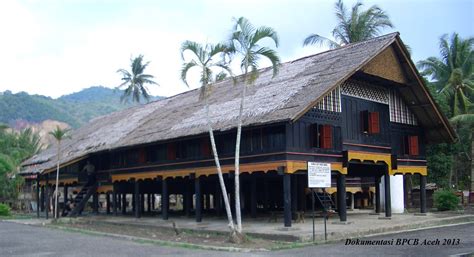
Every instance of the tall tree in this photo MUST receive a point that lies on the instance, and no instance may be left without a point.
(205, 59)
(356, 26)
(135, 81)
(452, 77)
(453, 73)
(14, 148)
(245, 40)
(58, 134)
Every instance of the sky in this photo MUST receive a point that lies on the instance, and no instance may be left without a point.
(53, 48)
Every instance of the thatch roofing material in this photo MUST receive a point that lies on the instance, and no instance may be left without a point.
(297, 87)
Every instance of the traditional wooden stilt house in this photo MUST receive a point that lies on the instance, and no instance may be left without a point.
(363, 108)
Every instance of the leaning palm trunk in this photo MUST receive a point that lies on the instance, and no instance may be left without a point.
(472, 162)
(237, 161)
(219, 169)
(57, 183)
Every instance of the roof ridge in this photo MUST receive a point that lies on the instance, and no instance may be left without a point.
(393, 34)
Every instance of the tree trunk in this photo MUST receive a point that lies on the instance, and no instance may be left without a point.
(57, 182)
(219, 170)
(472, 162)
(237, 162)
(451, 172)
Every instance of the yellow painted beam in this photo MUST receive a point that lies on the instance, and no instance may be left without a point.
(422, 170)
(352, 190)
(369, 156)
(105, 189)
(291, 167)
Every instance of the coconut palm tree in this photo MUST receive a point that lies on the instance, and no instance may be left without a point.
(245, 40)
(453, 74)
(58, 134)
(353, 27)
(205, 59)
(134, 81)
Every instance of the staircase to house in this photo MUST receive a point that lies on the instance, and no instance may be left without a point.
(325, 200)
(82, 197)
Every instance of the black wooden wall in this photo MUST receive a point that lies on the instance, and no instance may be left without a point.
(352, 123)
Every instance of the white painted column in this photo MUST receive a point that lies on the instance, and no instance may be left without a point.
(396, 194)
(352, 201)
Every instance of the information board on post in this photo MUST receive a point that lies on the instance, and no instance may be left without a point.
(319, 175)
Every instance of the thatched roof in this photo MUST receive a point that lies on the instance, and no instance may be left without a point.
(285, 97)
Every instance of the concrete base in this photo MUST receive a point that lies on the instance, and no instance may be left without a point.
(342, 222)
(385, 218)
(419, 214)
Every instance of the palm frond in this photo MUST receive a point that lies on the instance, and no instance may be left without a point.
(272, 56)
(265, 32)
(315, 39)
(467, 119)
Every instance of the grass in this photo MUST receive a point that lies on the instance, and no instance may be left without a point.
(17, 216)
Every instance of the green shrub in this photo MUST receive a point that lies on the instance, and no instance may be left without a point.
(4, 210)
(445, 200)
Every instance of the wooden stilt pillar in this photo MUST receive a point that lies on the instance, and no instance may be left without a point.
(153, 201)
(405, 191)
(142, 203)
(114, 199)
(208, 202)
(301, 193)
(164, 199)
(47, 197)
(133, 200)
(148, 202)
(287, 199)
(107, 200)
(124, 203)
(197, 189)
(136, 198)
(294, 194)
(37, 197)
(187, 197)
(119, 201)
(388, 201)
(377, 194)
(422, 194)
(95, 203)
(218, 201)
(65, 203)
(253, 196)
(341, 197)
(43, 199)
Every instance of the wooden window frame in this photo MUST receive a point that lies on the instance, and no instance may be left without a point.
(370, 122)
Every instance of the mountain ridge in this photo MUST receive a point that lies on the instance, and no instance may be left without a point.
(75, 109)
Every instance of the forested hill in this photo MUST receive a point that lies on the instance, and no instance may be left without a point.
(75, 109)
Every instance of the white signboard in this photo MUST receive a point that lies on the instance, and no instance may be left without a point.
(319, 174)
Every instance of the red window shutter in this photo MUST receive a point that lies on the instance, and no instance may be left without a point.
(142, 155)
(205, 147)
(413, 145)
(326, 136)
(374, 123)
(171, 153)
